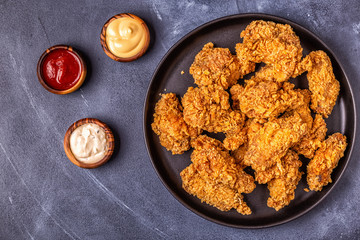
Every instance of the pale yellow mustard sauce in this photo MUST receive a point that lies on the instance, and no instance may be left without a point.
(125, 37)
(88, 143)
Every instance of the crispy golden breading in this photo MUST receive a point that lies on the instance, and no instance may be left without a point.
(269, 124)
(235, 138)
(252, 126)
(322, 83)
(265, 176)
(325, 160)
(216, 66)
(282, 187)
(258, 99)
(302, 107)
(236, 91)
(208, 108)
(211, 156)
(218, 195)
(238, 154)
(169, 124)
(274, 44)
(265, 99)
(246, 65)
(215, 178)
(316, 128)
(272, 142)
(312, 141)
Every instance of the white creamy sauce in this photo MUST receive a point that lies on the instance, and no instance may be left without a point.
(88, 143)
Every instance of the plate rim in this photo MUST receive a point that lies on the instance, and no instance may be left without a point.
(180, 41)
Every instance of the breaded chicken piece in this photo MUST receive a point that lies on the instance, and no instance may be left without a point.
(208, 108)
(235, 138)
(272, 142)
(218, 195)
(316, 128)
(175, 135)
(252, 126)
(312, 140)
(236, 92)
(262, 176)
(216, 66)
(215, 178)
(276, 45)
(322, 83)
(325, 161)
(265, 176)
(211, 156)
(282, 187)
(268, 73)
(302, 107)
(264, 99)
(238, 154)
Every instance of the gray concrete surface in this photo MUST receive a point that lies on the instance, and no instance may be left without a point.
(44, 196)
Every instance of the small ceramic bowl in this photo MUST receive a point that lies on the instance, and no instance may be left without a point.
(103, 38)
(109, 137)
(77, 84)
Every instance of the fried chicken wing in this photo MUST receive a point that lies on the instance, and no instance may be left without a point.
(312, 140)
(258, 99)
(302, 107)
(271, 143)
(322, 83)
(265, 99)
(236, 92)
(252, 126)
(274, 44)
(316, 128)
(208, 108)
(235, 138)
(217, 66)
(215, 178)
(218, 195)
(282, 187)
(169, 124)
(239, 153)
(325, 160)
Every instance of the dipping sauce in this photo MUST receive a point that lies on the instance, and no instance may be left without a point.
(126, 36)
(61, 69)
(88, 143)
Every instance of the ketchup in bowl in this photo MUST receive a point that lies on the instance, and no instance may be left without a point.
(61, 70)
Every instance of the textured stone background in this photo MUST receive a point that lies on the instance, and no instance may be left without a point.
(44, 196)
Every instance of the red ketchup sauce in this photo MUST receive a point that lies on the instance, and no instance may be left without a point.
(61, 69)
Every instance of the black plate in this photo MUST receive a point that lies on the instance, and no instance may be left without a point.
(225, 32)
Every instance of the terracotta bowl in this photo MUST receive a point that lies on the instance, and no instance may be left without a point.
(103, 38)
(110, 143)
(78, 83)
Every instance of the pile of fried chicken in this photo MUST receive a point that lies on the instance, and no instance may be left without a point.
(267, 124)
